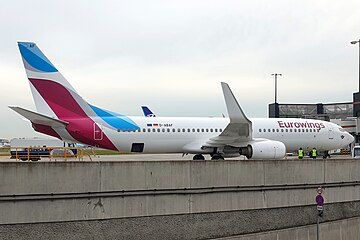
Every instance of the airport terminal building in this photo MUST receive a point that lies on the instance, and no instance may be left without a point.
(339, 113)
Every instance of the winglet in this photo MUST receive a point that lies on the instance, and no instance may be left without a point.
(235, 112)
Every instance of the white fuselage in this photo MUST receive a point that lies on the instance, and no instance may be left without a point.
(180, 134)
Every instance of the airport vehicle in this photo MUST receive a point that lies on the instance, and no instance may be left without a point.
(355, 153)
(35, 148)
(63, 113)
(4, 142)
(147, 112)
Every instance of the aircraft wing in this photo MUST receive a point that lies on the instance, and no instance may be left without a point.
(240, 127)
(38, 118)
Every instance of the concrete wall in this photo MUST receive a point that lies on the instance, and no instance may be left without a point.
(203, 225)
(74, 177)
(346, 229)
(169, 215)
(55, 177)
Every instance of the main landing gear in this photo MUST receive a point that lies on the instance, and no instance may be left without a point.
(198, 157)
(217, 156)
(214, 156)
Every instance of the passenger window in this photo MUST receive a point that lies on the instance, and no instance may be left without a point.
(173, 129)
(149, 130)
(310, 130)
(144, 130)
(282, 130)
(193, 129)
(307, 130)
(290, 130)
(211, 130)
(207, 130)
(154, 130)
(273, 130)
(220, 130)
(163, 130)
(202, 130)
(269, 130)
(264, 130)
(259, 129)
(168, 130)
(179, 130)
(158, 129)
(277, 130)
(286, 130)
(303, 130)
(215, 129)
(188, 129)
(183, 129)
(198, 130)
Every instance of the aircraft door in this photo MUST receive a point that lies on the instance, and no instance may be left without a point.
(98, 133)
(331, 133)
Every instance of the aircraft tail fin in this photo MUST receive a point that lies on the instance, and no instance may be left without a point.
(57, 102)
(52, 93)
(147, 112)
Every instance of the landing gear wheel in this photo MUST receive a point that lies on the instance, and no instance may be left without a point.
(326, 155)
(198, 157)
(217, 157)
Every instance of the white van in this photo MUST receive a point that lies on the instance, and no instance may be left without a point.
(355, 152)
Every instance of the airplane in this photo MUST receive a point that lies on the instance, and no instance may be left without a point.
(63, 113)
(147, 112)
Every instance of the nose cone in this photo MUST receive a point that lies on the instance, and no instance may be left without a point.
(349, 138)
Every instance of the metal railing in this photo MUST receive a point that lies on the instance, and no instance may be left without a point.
(29, 153)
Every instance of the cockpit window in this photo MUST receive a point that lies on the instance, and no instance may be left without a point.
(341, 130)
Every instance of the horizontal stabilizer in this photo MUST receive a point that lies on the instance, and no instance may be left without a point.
(38, 118)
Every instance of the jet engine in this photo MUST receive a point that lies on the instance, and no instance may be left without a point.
(266, 149)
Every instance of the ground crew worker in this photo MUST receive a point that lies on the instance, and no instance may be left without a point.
(313, 153)
(300, 153)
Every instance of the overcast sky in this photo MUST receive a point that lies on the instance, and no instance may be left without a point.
(172, 55)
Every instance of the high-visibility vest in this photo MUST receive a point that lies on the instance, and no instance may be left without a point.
(300, 153)
(313, 153)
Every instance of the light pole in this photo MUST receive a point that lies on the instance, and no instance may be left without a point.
(276, 74)
(355, 42)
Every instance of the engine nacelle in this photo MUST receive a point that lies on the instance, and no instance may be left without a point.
(266, 149)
